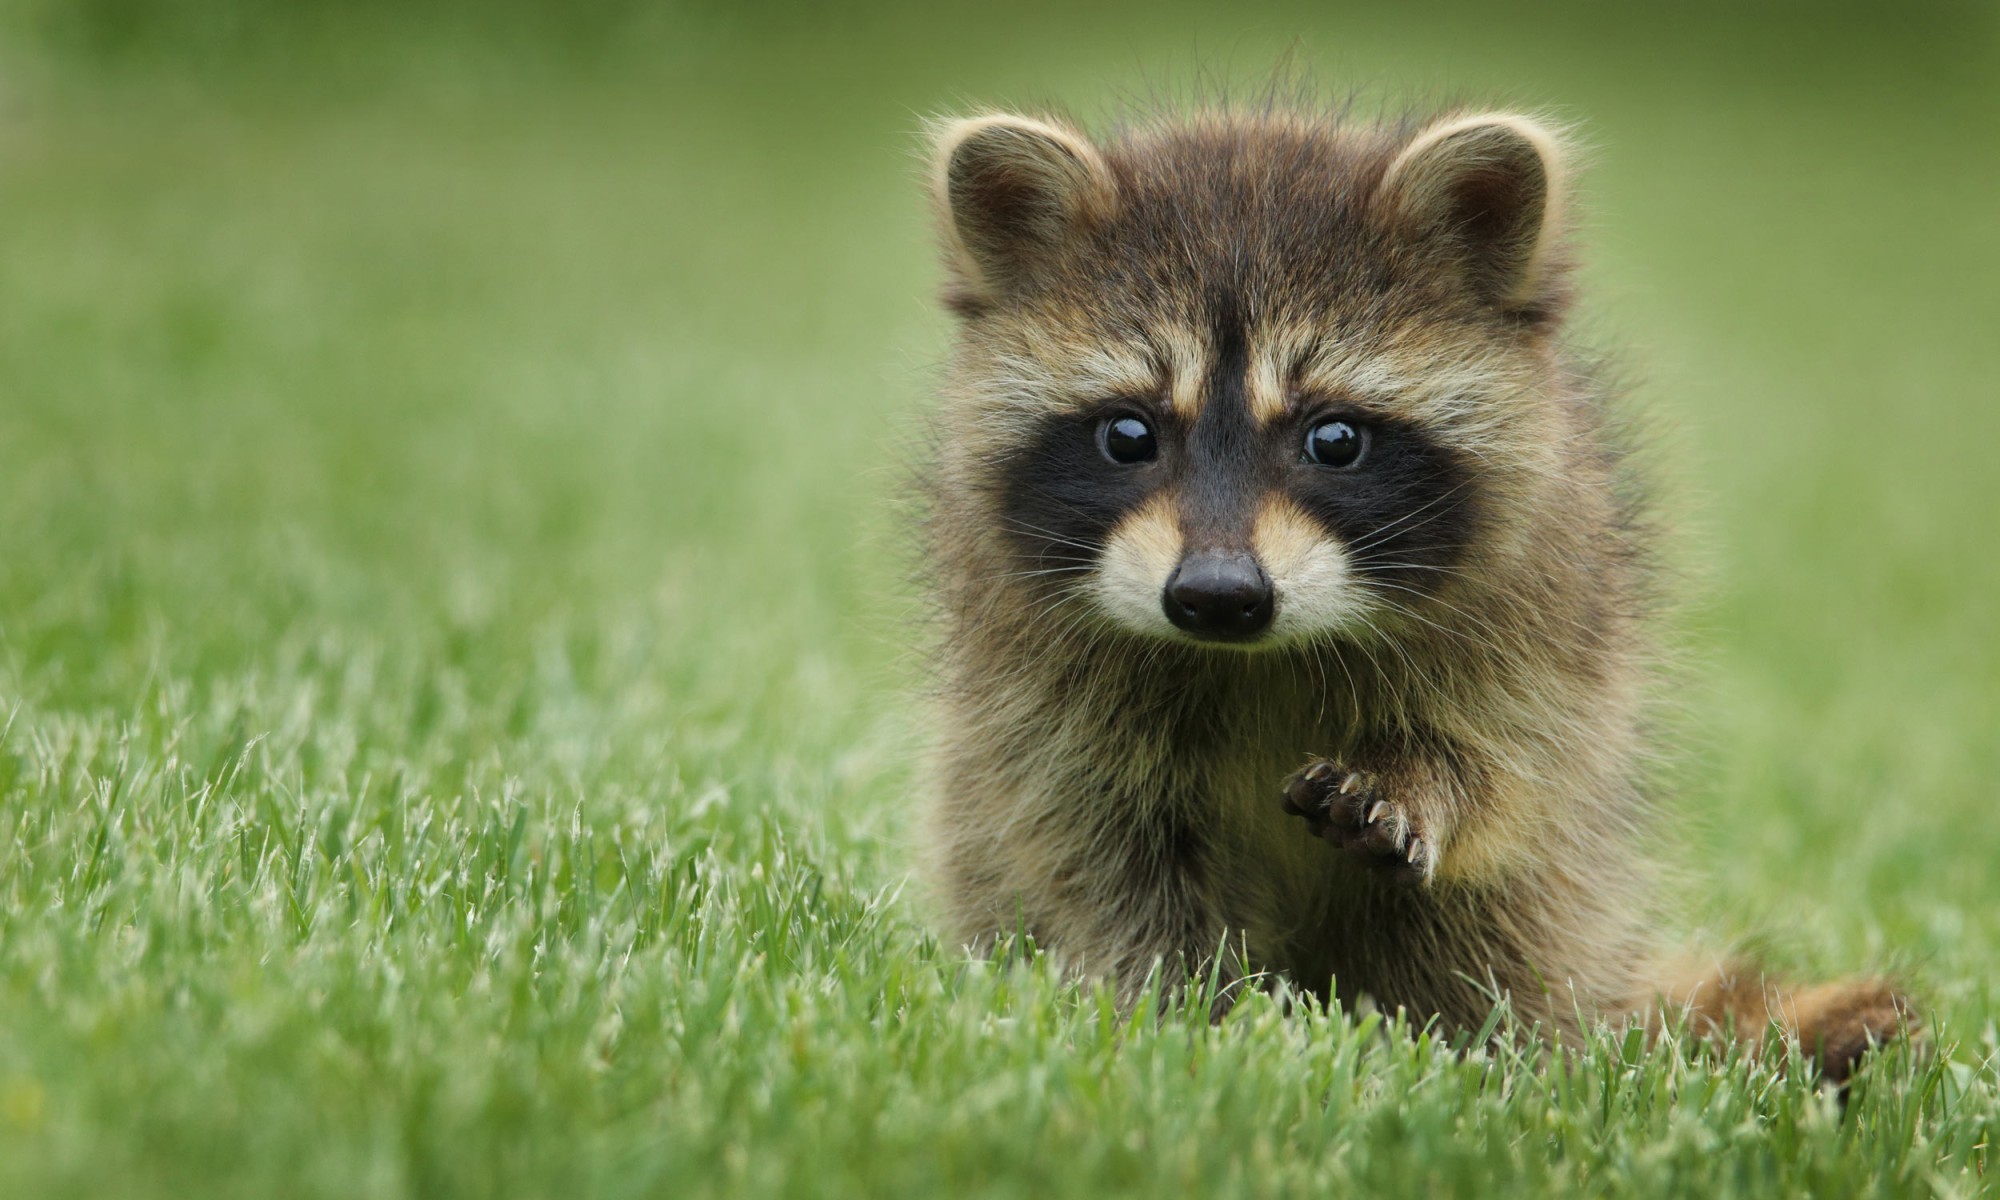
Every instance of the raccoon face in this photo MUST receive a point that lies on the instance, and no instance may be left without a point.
(1220, 526)
(1247, 383)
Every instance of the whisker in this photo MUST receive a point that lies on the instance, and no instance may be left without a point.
(1051, 536)
(1375, 538)
(1405, 610)
(1075, 569)
(1389, 565)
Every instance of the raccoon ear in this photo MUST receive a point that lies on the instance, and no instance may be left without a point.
(1489, 190)
(1011, 191)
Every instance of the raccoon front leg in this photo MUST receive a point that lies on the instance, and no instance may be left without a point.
(1392, 819)
(1112, 885)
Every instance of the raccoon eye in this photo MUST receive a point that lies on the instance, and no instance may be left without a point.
(1335, 444)
(1126, 439)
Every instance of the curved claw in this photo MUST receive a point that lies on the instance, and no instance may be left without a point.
(1340, 806)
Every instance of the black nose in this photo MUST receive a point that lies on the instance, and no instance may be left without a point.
(1219, 596)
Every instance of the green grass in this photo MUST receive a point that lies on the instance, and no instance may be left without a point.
(455, 661)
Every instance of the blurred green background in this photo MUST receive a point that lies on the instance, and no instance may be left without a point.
(455, 645)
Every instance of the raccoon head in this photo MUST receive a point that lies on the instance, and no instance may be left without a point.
(1249, 380)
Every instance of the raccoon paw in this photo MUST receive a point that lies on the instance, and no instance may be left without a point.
(1346, 809)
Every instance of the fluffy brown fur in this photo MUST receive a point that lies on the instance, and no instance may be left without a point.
(1420, 777)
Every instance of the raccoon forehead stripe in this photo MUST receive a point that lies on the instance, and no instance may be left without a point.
(1275, 357)
(1264, 391)
(1185, 353)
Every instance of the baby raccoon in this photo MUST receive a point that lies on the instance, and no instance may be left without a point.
(1295, 596)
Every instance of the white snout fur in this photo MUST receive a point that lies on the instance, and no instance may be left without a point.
(1134, 566)
(1310, 573)
(1311, 577)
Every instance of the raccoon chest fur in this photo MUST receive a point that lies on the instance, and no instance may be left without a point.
(1134, 818)
(1128, 817)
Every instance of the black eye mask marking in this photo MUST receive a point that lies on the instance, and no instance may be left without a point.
(1405, 510)
(1062, 494)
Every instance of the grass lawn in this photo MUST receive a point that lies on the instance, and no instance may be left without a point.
(456, 731)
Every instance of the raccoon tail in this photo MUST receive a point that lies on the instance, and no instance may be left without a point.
(1834, 1023)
